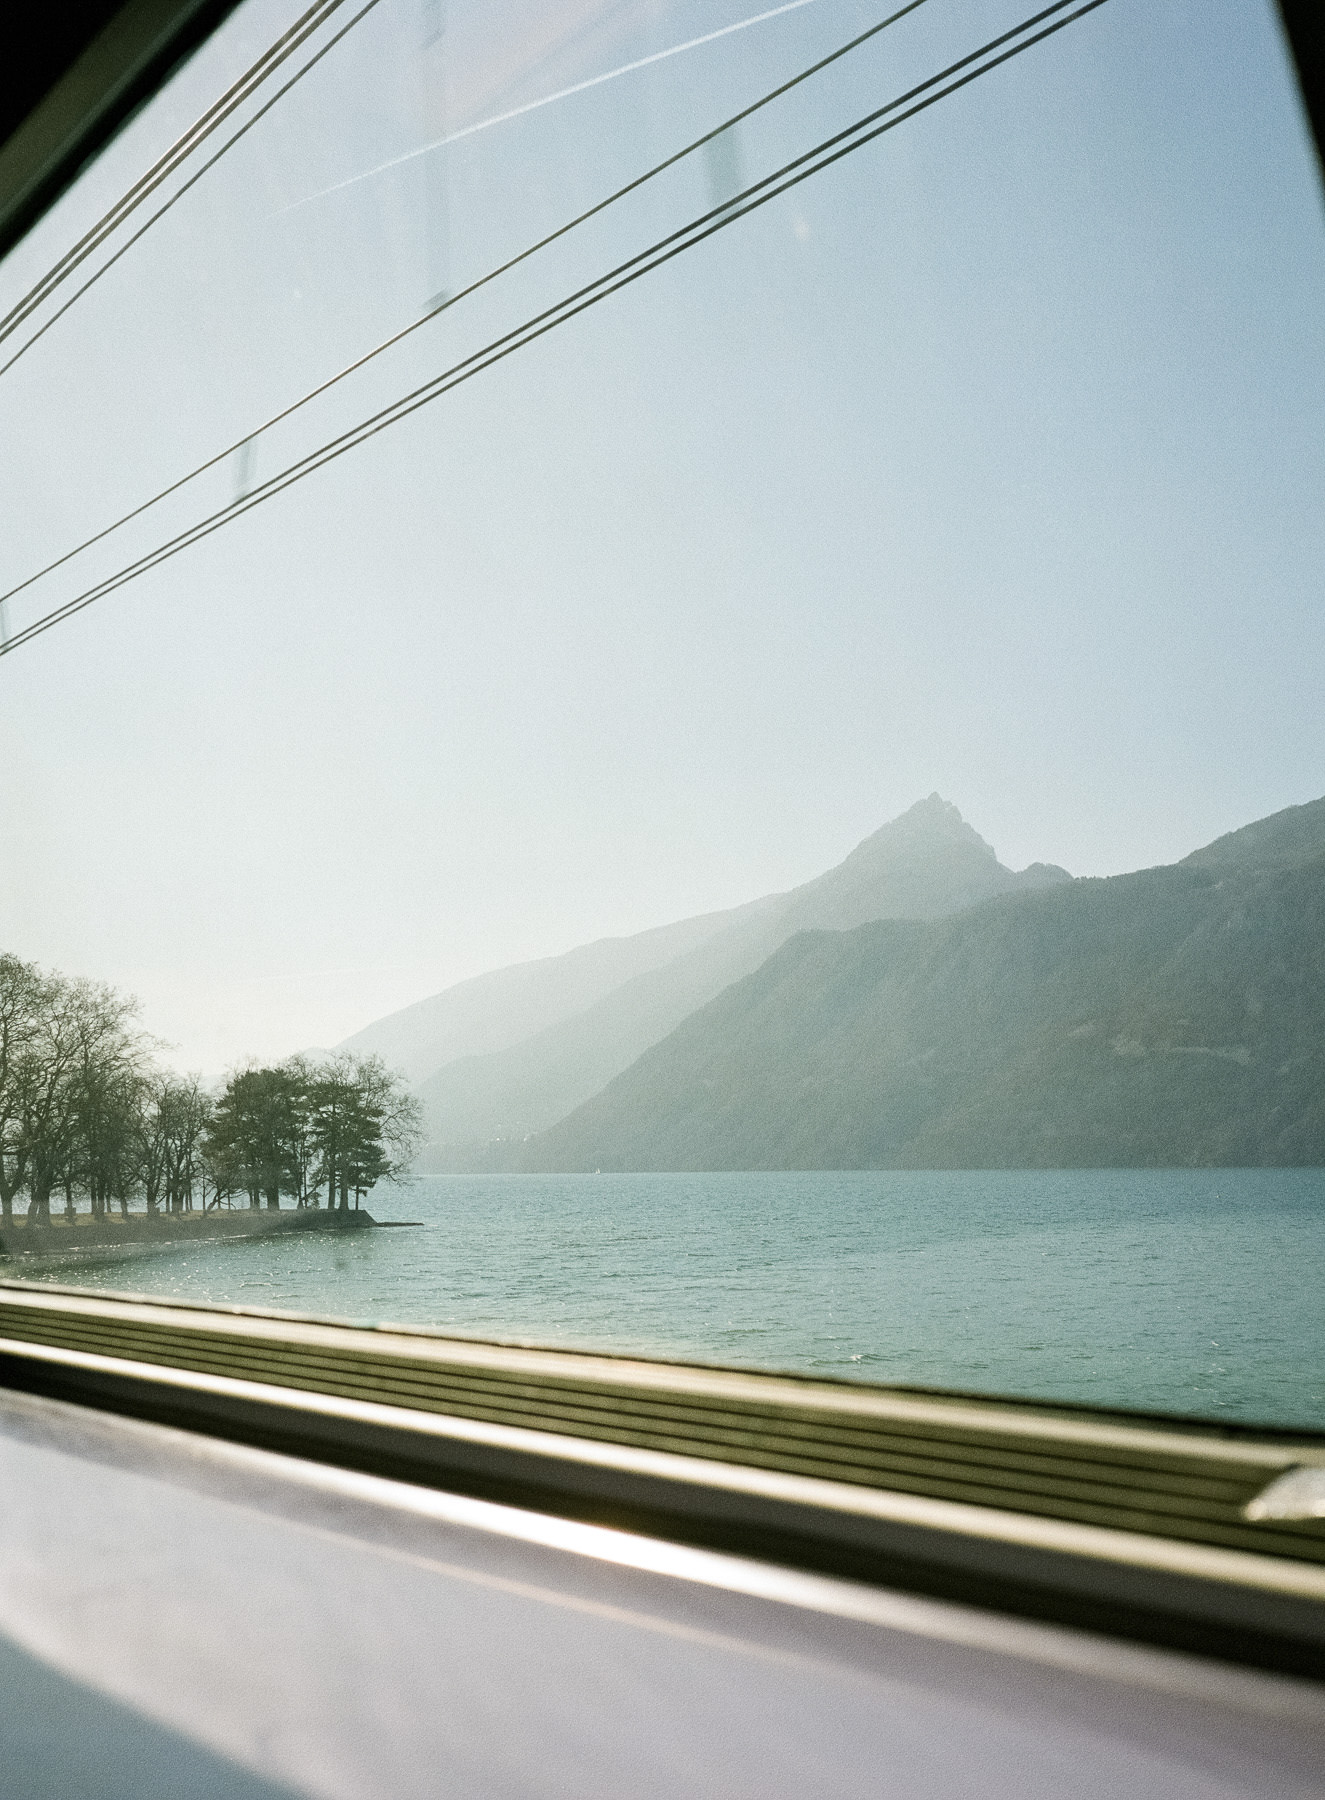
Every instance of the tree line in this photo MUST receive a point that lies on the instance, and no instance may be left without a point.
(88, 1114)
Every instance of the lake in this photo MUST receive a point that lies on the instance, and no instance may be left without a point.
(1186, 1291)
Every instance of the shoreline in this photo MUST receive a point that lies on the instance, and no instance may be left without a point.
(59, 1238)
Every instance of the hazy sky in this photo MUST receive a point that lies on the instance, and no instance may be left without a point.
(989, 462)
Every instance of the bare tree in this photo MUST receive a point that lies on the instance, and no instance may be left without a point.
(24, 994)
(47, 1094)
(150, 1134)
(186, 1112)
(83, 1110)
(105, 1090)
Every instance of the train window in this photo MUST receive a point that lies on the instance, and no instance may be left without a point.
(675, 643)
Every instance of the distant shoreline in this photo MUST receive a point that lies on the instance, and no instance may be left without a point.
(60, 1238)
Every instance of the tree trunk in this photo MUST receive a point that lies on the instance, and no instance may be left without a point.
(9, 1188)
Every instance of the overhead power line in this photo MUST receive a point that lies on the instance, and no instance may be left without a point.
(179, 153)
(473, 287)
(823, 155)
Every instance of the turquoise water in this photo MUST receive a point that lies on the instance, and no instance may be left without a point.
(1190, 1291)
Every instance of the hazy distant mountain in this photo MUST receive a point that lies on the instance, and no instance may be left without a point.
(505, 1006)
(507, 1054)
(1174, 1016)
(923, 865)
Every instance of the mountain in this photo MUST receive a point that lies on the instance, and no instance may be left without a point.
(560, 1030)
(506, 1006)
(1175, 1016)
(1282, 841)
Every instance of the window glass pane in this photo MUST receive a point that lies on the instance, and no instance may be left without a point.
(649, 530)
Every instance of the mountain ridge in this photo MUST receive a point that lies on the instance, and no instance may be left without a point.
(927, 862)
(468, 1018)
(1170, 1015)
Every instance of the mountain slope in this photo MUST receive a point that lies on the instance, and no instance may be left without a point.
(1174, 1016)
(506, 1006)
(1285, 839)
(927, 863)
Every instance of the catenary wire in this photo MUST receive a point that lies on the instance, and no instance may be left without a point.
(812, 162)
(183, 147)
(821, 156)
(454, 300)
(192, 182)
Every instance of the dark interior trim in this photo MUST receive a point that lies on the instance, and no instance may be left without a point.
(74, 75)
(1304, 27)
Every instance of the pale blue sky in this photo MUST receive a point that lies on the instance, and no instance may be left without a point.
(988, 462)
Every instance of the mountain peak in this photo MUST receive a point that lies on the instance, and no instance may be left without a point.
(931, 822)
(926, 862)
